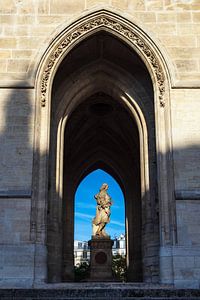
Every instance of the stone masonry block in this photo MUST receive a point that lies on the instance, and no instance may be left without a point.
(181, 5)
(187, 65)
(179, 42)
(146, 17)
(8, 43)
(184, 17)
(183, 262)
(188, 29)
(131, 5)
(18, 265)
(197, 262)
(22, 53)
(18, 65)
(25, 19)
(44, 7)
(187, 284)
(29, 42)
(154, 5)
(63, 7)
(195, 5)
(15, 78)
(163, 28)
(49, 19)
(3, 65)
(16, 139)
(26, 7)
(20, 30)
(184, 53)
(136, 5)
(196, 17)
(166, 17)
(121, 4)
(15, 220)
(90, 3)
(8, 6)
(6, 19)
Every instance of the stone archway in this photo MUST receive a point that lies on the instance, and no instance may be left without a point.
(145, 104)
(104, 141)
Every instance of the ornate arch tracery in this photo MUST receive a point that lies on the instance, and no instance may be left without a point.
(103, 21)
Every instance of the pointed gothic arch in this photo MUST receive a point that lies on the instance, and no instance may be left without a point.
(140, 43)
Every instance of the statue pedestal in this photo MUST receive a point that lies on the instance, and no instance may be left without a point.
(100, 259)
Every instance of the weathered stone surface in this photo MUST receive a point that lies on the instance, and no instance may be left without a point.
(6, 43)
(16, 135)
(18, 265)
(15, 220)
(186, 268)
(188, 222)
(100, 259)
(29, 29)
(186, 142)
(66, 7)
(24, 19)
(102, 291)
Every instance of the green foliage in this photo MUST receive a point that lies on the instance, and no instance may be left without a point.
(119, 267)
(81, 271)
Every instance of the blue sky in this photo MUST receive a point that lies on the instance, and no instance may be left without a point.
(85, 205)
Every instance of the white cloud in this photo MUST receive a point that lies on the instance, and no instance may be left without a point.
(87, 216)
(83, 216)
(85, 205)
(117, 223)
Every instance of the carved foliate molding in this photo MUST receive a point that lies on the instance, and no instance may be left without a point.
(115, 25)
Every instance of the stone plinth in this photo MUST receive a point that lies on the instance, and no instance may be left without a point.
(100, 259)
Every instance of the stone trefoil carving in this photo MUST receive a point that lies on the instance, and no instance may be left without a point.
(115, 25)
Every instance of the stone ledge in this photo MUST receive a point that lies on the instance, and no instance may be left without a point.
(187, 195)
(101, 291)
(15, 193)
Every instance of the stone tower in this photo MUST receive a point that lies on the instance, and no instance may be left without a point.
(73, 76)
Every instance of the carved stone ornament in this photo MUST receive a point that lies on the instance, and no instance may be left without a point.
(104, 21)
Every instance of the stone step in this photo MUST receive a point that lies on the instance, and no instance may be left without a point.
(98, 291)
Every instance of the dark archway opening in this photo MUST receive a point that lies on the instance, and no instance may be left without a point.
(101, 132)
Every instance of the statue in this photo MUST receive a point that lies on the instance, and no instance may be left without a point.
(103, 213)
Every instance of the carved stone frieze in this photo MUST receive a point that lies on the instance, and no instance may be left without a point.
(104, 21)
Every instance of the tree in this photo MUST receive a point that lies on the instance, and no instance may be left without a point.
(81, 271)
(119, 267)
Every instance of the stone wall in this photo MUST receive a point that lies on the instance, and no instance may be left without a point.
(16, 139)
(29, 25)
(27, 28)
(188, 222)
(186, 265)
(15, 221)
(186, 256)
(17, 265)
(16, 251)
(185, 106)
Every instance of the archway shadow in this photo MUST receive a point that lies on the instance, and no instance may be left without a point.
(16, 151)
